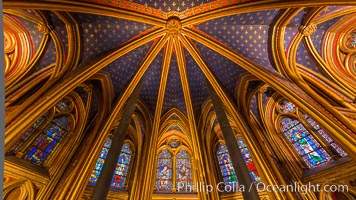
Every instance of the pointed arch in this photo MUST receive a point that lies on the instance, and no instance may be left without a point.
(45, 138)
(174, 172)
(306, 141)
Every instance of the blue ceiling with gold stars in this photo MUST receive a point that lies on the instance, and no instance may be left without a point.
(49, 56)
(247, 34)
(172, 5)
(292, 29)
(122, 69)
(322, 29)
(150, 83)
(197, 84)
(304, 58)
(61, 30)
(224, 69)
(174, 96)
(100, 34)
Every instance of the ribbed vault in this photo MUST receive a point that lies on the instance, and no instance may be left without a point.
(304, 51)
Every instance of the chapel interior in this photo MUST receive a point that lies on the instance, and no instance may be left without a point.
(179, 99)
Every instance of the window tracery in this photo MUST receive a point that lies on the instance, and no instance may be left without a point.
(39, 141)
(174, 168)
(306, 136)
(304, 143)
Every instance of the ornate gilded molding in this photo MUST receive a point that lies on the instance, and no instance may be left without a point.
(82, 7)
(173, 26)
(188, 102)
(70, 82)
(18, 50)
(45, 28)
(308, 30)
(19, 189)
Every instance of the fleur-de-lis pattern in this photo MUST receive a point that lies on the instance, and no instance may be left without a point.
(246, 34)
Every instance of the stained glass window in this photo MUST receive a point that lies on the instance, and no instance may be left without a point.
(287, 106)
(173, 143)
(63, 105)
(100, 162)
(122, 166)
(183, 172)
(29, 132)
(42, 147)
(304, 143)
(321, 131)
(164, 171)
(248, 161)
(227, 170)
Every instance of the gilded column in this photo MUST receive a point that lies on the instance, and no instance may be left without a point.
(233, 148)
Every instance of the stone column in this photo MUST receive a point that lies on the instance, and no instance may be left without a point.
(120, 134)
(238, 163)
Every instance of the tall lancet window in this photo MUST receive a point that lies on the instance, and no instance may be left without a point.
(304, 143)
(183, 171)
(39, 141)
(247, 156)
(225, 163)
(122, 166)
(42, 147)
(100, 162)
(164, 171)
(306, 136)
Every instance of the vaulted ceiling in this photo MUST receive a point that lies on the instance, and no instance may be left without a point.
(175, 47)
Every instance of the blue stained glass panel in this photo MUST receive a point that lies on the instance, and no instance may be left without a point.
(313, 123)
(341, 152)
(247, 156)
(287, 106)
(287, 123)
(304, 143)
(227, 170)
(100, 162)
(325, 136)
(321, 131)
(164, 172)
(316, 158)
(121, 169)
(42, 147)
(183, 172)
(29, 132)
